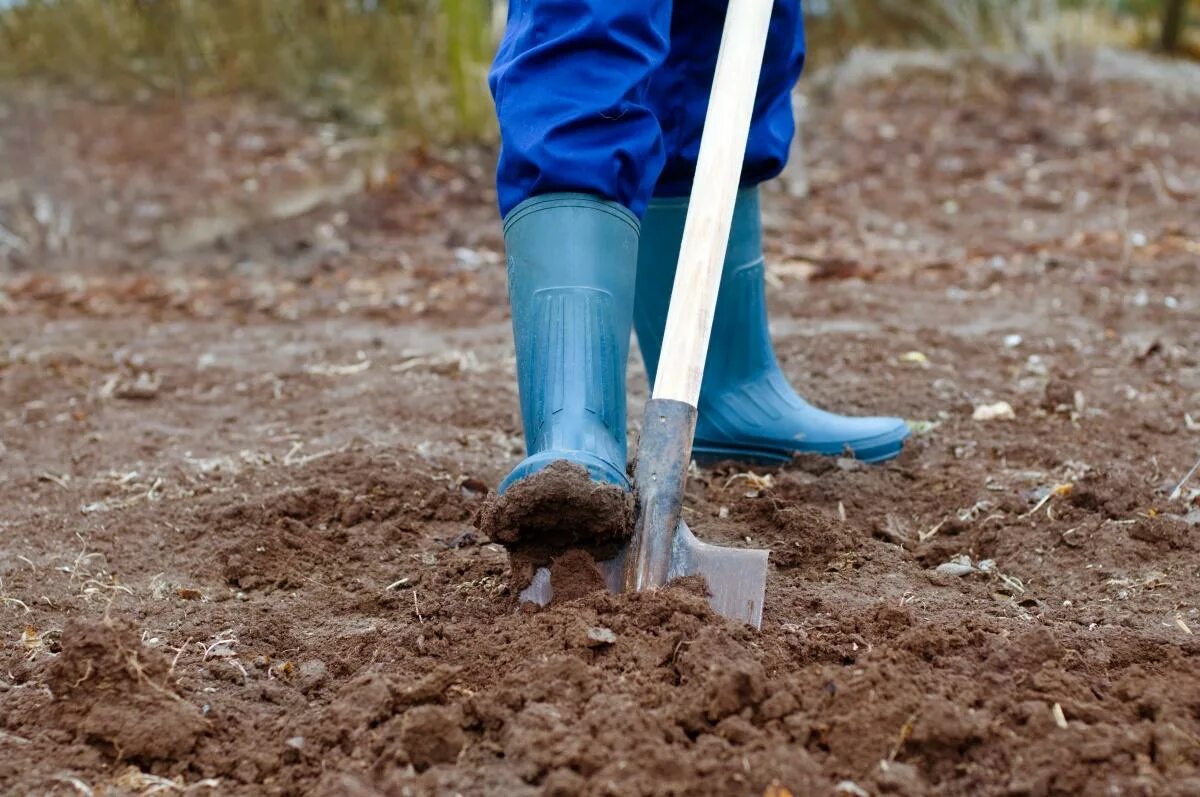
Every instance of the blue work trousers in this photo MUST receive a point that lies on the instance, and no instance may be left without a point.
(608, 97)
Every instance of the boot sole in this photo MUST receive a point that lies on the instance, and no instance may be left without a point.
(709, 454)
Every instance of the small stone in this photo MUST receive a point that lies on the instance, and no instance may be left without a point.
(1000, 411)
(958, 566)
(896, 777)
(296, 742)
(598, 637)
(1036, 366)
(144, 387)
(311, 675)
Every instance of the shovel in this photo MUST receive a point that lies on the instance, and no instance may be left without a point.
(663, 547)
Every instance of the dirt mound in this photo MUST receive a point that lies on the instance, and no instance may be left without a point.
(804, 537)
(652, 694)
(346, 507)
(643, 693)
(113, 692)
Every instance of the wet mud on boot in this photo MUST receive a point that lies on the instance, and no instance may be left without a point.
(571, 275)
(559, 507)
(748, 411)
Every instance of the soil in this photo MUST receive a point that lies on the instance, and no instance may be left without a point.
(559, 506)
(240, 470)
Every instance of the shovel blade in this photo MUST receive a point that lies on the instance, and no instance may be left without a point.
(736, 577)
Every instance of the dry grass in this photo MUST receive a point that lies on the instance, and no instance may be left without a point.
(416, 65)
(1039, 28)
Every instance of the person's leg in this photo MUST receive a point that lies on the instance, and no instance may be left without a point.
(571, 82)
(679, 92)
(580, 153)
(748, 410)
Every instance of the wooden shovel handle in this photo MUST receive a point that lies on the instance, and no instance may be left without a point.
(710, 211)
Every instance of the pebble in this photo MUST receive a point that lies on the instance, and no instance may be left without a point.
(311, 675)
(958, 566)
(1000, 411)
(598, 636)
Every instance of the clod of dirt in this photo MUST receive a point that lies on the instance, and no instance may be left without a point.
(563, 783)
(556, 508)
(1164, 532)
(694, 585)
(431, 735)
(112, 692)
(312, 675)
(803, 537)
(573, 575)
(1059, 395)
(1114, 495)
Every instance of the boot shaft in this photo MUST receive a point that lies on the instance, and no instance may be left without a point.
(571, 271)
(739, 346)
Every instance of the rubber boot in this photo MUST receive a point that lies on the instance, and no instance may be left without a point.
(748, 411)
(571, 273)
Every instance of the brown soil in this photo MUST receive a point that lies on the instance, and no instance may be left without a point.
(239, 474)
(559, 506)
(111, 692)
(574, 574)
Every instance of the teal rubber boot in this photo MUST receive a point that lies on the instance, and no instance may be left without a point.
(571, 273)
(748, 411)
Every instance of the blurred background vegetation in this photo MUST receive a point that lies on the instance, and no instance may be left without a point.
(1024, 25)
(419, 66)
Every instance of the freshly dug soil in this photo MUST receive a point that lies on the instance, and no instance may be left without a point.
(574, 574)
(239, 478)
(112, 692)
(557, 508)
